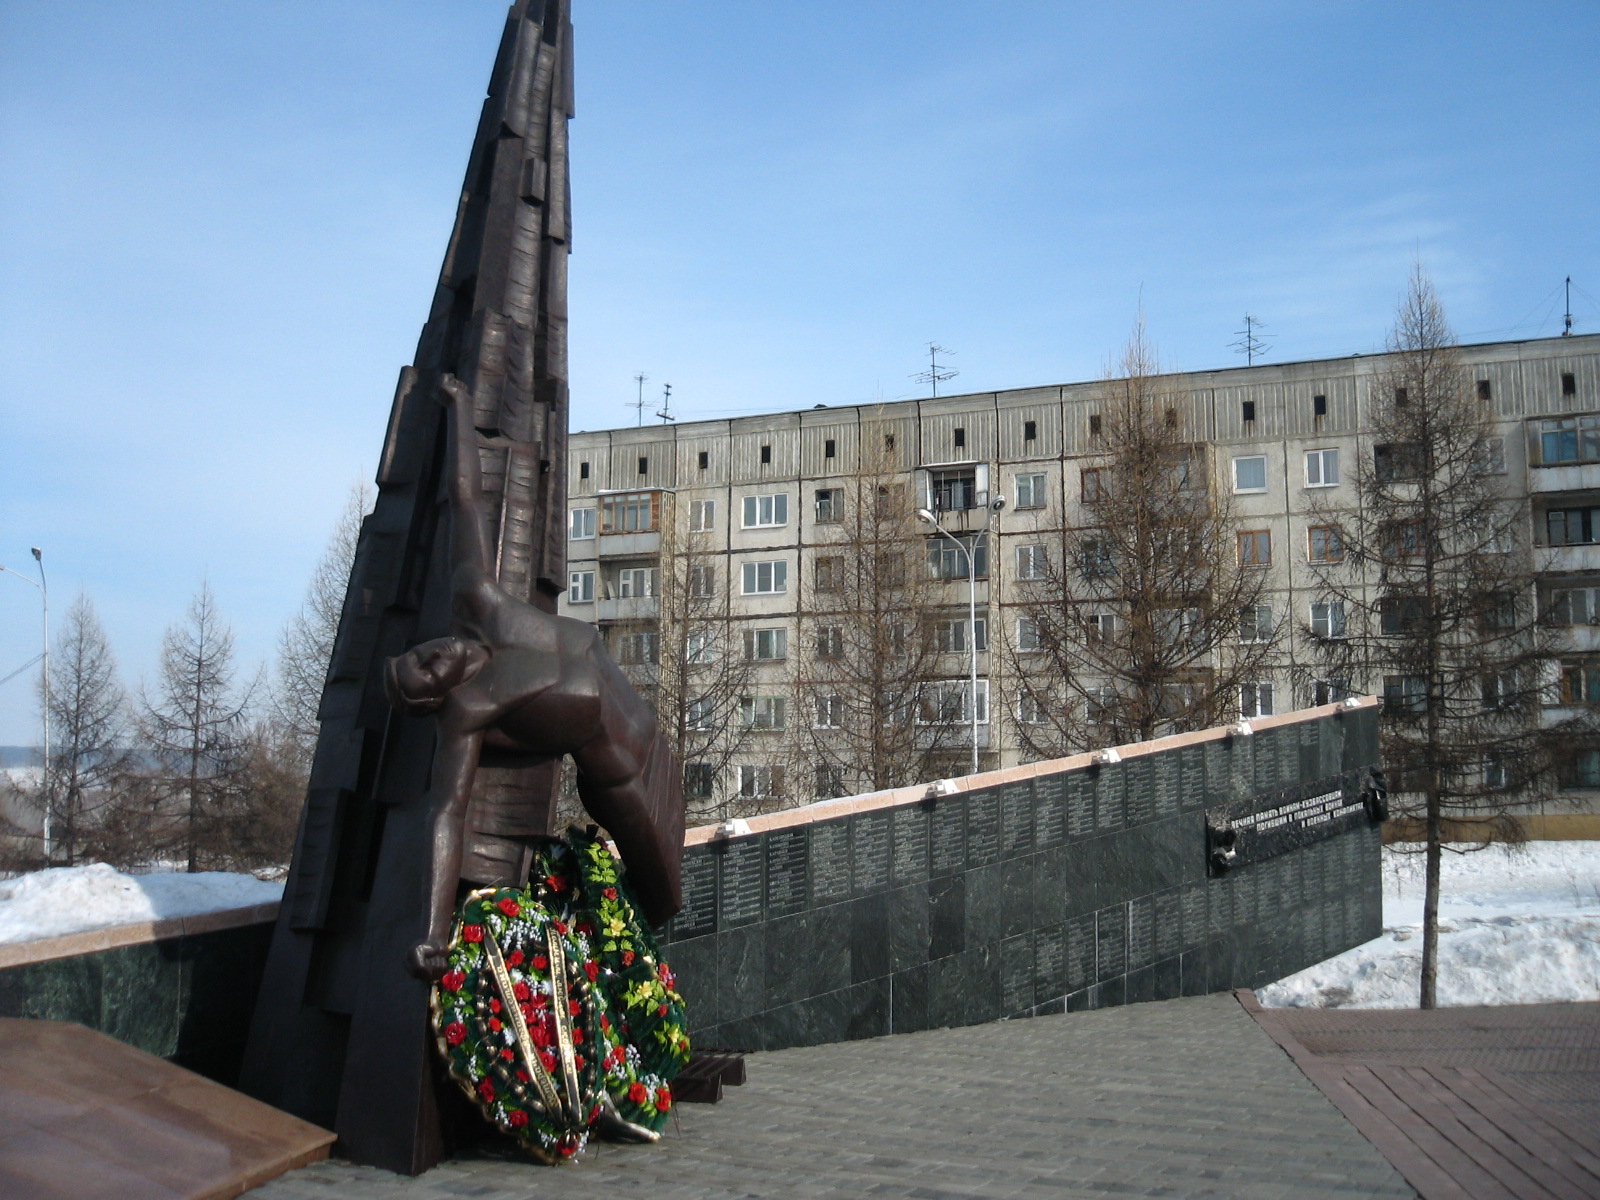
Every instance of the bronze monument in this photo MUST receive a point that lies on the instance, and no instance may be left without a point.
(450, 610)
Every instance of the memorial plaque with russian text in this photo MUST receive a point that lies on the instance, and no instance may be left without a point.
(699, 912)
(1219, 772)
(1080, 805)
(830, 862)
(1311, 873)
(1192, 777)
(1016, 819)
(910, 855)
(743, 883)
(1050, 963)
(1308, 736)
(869, 852)
(1050, 819)
(983, 829)
(1290, 818)
(1169, 923)
(1141, 932)
(1080, 952)
(1194, 915)
(1167, 771)
(1111, 942)
(788, 881)
(1110, 799)
(1244, 896)
(1016, 974)
(1219, 906)
(947, 836)
(1141, 789)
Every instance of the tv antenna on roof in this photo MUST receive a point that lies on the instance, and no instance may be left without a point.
(666, 404)
(935, 374)
(1566, 321)
(639, 403)
(1249, 344)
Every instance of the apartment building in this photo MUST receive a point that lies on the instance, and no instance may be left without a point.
(764, 497)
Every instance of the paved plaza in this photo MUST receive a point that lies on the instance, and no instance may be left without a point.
(1183, 1098)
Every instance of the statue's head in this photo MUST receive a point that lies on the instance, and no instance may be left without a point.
(419, 680)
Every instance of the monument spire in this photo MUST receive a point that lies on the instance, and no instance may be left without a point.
(339, 1035)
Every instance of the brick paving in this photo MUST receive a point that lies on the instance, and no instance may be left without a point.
(1469, 1103)
(1183, 1098)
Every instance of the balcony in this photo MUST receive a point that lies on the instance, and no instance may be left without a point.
(629, 545)
(1576, 639)
(1567, 560)
(951, 738)
(1573, 477)
(628, 608)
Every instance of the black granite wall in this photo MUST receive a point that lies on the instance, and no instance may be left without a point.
(1082, 889)
(187, 999)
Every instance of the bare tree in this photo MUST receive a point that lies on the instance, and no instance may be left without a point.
(194, 728)
(305, 646)
(1145, 617)
(874, 711)
(1431, 599)
(89, 753)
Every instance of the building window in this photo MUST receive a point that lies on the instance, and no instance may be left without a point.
(1569, 383)
(699, 780)
(1100, 704)
(1247, 411)
(583, 470)
(580, 526)
(764, 578)
(1400, 539)
(1491, 456)
(762, 712)
(891, 501)
(947, 561)
(1324, 544)
(766, 455)
(830, 710)
(1319, 406)
(1581, 770)
(1250, 473)
(1398, 462)
(633, 583)
(1100, 627)
(829, 571)
(1327, 618)
(1094, 424)
(1030, 431)
(1485, 390)
(766, 645)
(644, 465)
(1030, 709)
(945, 702)
(830, 506)
(580, 587)
(829, 781)
(953, 490)
(1401, 397)
(830, 448)
(1322, 468)
(1255, 700)
(1329, 691)
(960, 437)
(1401, 615)
(638, 647)
(633, 512)
(1030, 491)
(1580, 682)
(1573, 526)
(1255, 548)
(762, 512)
(1499, 614)
(1092, 484)
(1497, 691)
(1574, 606)
(702, 515)
(830, 641)
(1177, 626)
(700, 647)
(704, 459)
(1097, 559)
(757, 782)
(1255, 623)
(701, 714)
(1405, 693)
(950, 636)
(1033, 563)
(1028, 639)
(702, 581)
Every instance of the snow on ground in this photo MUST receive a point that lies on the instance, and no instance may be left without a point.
(1517, 925)
(72, 899)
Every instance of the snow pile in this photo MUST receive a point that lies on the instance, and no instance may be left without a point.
(72, 899)
(1517, 925)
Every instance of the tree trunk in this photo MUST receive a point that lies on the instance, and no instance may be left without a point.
(1430, 904)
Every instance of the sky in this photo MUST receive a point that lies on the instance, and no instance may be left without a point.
(220, 228)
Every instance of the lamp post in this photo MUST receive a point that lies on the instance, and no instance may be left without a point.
(924, 514)
(44, 595)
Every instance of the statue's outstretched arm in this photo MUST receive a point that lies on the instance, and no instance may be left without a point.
(454, 765)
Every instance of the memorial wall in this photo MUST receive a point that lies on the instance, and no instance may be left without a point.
(1193, 864)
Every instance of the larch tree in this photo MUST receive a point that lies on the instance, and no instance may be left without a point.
(1430, 599)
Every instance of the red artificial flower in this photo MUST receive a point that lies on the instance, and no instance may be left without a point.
(667, 977)
(494, 1004)
(541, 963)
(455, 1033)
(663, 1100)
(574, 1007)
(594, 1114)
(452, 981)
(610, 893)
(540, 1000)
(517, 1119)
(559, 926)
(592, 969)
(577, 1034)
(472, 933)
(605, 1022)
(638, 1093)
(522, 1076)
(568, 1145)
(627, 958)
(514, 959)
(508, 1054)
(510, 907)
(585, 928)
(549, 1061)
(540, 1033)
(494, 1024)
(521, 990)
(662, 1011)
(486, 1090)
(578, 1061)
(527, 1011)
(556, 883)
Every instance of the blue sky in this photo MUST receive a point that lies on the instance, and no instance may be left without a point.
(220, 227)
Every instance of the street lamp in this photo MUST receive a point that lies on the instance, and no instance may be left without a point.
(44, 595)
(924, 514)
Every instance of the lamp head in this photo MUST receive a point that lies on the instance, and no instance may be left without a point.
(38, 554)
(924, 515)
